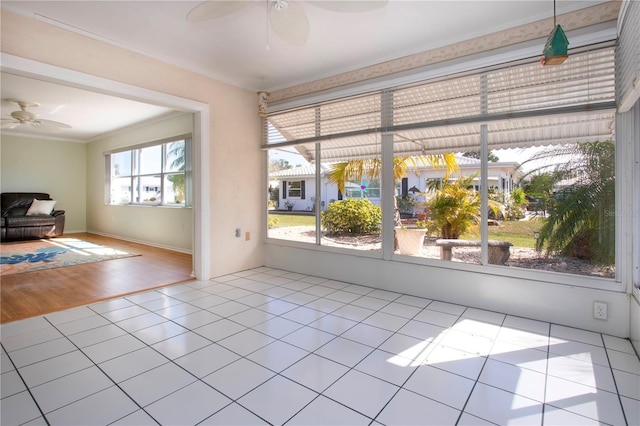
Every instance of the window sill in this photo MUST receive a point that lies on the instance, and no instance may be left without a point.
(548, 277)
(149, 205)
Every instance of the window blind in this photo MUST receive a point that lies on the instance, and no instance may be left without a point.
(342, 118)
(528, 100)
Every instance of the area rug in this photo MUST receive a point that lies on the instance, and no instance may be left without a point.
(29, 256)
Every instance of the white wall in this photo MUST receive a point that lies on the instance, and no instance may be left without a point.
(55, 167)
(235, 163)
(545, 301)
(168, 227)
(634, 319)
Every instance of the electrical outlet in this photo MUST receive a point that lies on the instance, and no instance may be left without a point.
(600, 310)
(238, 232)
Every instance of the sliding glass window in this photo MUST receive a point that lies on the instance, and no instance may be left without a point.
(509, 167)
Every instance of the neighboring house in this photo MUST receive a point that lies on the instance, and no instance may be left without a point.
(297, 185)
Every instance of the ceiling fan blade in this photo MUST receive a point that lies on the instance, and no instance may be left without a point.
(49, 123)
(10, 124)
(215, 9)
(349, 6)
(290, 23)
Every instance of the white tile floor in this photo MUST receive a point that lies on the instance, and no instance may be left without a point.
(268, 346)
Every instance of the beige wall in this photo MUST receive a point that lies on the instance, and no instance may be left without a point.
(55, 167)
(235, 160)
(167, 227)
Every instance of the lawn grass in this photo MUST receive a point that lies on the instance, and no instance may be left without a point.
(518, 233)
(294, 220)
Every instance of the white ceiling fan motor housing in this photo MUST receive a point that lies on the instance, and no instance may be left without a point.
(23, 116)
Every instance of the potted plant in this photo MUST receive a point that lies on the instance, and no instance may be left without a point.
(289, 205)
(411, 239)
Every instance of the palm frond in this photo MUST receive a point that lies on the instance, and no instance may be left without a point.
(356, 170)
(580, 213)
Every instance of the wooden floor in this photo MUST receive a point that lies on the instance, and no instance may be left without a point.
(35, 293)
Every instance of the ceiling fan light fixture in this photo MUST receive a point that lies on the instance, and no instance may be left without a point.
(286, 18)
(290, 24)
(23, 116)
(28, 118)
(280, 4)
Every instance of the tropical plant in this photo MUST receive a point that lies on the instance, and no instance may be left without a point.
(518, 198)
(405, 203)
(274, 195)
(353, 216)
(177, 152)
(516, 204)
(278, 164)
(539, 186)
(491, 157)
(581, 223)
(454, 209)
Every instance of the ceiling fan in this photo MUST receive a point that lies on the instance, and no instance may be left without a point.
(288, 20)
(27, 118)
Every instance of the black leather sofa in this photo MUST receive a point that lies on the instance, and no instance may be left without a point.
(16, 225)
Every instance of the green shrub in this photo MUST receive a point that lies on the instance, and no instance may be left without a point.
(352, 216)
(272, 221)
(518, 198)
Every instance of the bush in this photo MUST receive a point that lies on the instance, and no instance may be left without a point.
(352, 216)
(405, 204)
(518, 198)
(272, 221)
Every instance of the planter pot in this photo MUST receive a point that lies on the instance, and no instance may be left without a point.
(410, 240)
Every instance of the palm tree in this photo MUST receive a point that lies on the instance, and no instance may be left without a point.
(581, 220)
(356, 170)
(177, 152)
(454, 208)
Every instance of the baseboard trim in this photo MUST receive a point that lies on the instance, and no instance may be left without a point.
(133, 240)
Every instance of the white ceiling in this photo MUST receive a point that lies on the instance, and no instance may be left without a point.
(88, 113)
(233, 48)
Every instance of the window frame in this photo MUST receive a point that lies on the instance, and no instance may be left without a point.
(136, 177)
(297, 186)
(612, 284)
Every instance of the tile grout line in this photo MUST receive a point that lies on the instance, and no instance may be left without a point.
(615, 382)
(475, 382)
(358, 322)
(27, 388)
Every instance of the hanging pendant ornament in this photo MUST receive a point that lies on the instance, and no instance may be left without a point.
(262, 104)
(556, 48)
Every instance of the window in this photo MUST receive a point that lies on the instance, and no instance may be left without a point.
(293, 190)
(363, 189)
(510, 142)
(292, 196)
(157, 174)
